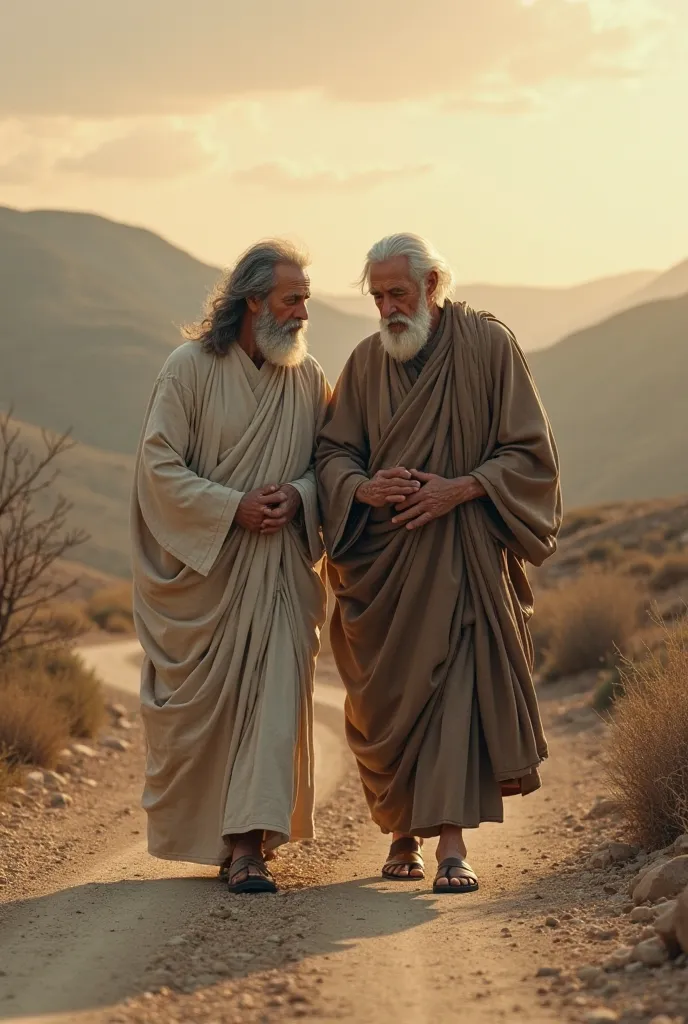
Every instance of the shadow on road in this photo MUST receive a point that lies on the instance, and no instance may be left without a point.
(86, 947)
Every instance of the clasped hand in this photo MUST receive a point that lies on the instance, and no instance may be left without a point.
(418, 497)
(268, 509)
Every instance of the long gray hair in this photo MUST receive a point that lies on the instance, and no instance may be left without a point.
(253, 276)
(422, 257)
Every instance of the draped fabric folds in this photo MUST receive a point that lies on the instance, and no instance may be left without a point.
(229, 620)
(430, 631)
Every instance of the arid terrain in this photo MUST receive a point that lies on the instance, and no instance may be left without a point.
(93, 930)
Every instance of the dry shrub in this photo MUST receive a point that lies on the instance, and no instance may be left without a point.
(648, 755)
(604, 552)
(112, 604)
(56, 679)
(672, 572)
(68, 618)
(118, 623)
(9, 775)
(593, 617)
(643, 568)
(33, 730)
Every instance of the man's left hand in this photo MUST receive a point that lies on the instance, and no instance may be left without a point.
(288, 504)
(436, 498)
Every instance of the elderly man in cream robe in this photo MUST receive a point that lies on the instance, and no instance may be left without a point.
(228, 601)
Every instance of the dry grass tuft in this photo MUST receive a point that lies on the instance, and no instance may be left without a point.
(9, 775)
(591, 619)
(57, 680)
(605, 553)
(111, 608)
(32, 731)
(672, 571)
(648, 755)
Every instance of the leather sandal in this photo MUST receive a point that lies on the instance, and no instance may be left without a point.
(264, 882)
(444, 871)
(413, 859)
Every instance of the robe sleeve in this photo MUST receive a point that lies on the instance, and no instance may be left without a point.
(308, 519)
(342, 464)
(521, 474)
(188, 515)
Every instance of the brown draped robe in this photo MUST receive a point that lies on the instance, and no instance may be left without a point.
(430, 631)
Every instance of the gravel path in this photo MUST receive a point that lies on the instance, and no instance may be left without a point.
(93, 931)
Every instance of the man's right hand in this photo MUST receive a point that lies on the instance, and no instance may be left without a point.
(250, 514)
(387, 487)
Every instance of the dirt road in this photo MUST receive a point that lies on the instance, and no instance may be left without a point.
(80, 942)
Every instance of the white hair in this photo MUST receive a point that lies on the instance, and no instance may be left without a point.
(422, 258)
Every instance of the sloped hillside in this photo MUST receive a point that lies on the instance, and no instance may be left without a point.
(90, 310)
(616, 394)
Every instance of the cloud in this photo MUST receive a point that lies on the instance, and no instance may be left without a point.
(282, 177)
(142, 153)
(94, 60)
(23, 167)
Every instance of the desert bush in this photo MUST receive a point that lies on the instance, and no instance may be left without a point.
(593, 618)
(604, 552)
(577, 521)
(542, 623)
(68, 619)
(9, 775)
(609, 688)
(672, 571)
(114, 605)
(643, 568)
(56, 679)
(33, 729)
(648, 751)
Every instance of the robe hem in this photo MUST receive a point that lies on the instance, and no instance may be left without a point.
(430, 831)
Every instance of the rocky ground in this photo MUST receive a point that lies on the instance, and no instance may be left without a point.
(565, 927)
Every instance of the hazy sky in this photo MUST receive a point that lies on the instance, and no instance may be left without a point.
(534, 142)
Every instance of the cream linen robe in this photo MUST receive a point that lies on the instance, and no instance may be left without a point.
(229, 620)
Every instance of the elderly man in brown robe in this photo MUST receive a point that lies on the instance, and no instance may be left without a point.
(228, 602)
(438, 479)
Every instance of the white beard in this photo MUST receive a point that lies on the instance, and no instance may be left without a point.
(280, 344)
(409, 343)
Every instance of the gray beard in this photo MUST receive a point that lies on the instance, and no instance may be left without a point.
(280, 344)
(406, 346)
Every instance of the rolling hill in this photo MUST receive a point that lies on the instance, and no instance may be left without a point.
(90, 310)
(538, 316)
(616, 394)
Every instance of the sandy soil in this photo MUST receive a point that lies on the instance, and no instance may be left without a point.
(93, 931)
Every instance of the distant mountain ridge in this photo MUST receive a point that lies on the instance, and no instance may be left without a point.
(91, 309)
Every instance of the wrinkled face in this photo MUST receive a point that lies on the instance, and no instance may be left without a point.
(404, 307)
(287, 300)
(279, 326)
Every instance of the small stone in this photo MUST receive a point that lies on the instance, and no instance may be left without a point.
(681, 845)
(548, 972)
(634, 967)
(61, 800)
(124, 723)
(81, 750)
(91, 783)
(601, 1015)
(603, 808)
(589, 974)
(651, 952)
(176, 940)
(667, 879)
(681, 920)
(115, 743)
(641, 915)
(619, 958)
(246, 1001)
(54, 781)
(34, 778)
(620, 853)
(118, 710)
(244, 957)
(551, 922)
(274, 938)
(602, 934)
(662, 1019)
(17, 795)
